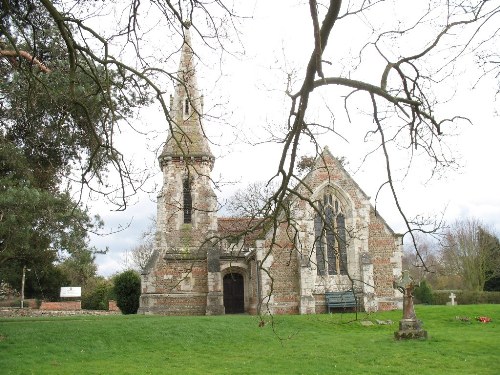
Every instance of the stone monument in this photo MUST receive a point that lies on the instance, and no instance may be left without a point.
(452, 297)
(409, 327)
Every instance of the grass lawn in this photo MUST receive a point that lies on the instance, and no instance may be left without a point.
(308, 344)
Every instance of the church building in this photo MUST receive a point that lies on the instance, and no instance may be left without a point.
(328, 239)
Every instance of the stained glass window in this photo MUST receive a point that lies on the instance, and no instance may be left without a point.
(330, 236)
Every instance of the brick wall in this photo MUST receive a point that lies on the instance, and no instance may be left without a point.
(174, 304)
(285, 273)
(180, 288)
(382, 245)
(61, 306)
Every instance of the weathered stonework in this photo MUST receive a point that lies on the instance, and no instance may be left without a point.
(203, 264)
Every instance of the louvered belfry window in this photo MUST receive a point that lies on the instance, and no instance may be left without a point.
(187, 200)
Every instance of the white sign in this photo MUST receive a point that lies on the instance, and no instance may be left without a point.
(71, 291)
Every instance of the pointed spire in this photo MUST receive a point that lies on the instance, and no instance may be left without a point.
(187, 72)
(186, 138)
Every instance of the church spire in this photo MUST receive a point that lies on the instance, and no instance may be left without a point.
(186, 138)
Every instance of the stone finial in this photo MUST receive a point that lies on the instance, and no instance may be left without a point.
(186, 24)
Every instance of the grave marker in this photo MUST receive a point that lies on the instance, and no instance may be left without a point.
(452, 296)
(409, 327)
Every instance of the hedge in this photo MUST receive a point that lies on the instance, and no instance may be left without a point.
(441, 297)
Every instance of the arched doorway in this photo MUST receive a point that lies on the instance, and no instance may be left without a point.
(234, 293)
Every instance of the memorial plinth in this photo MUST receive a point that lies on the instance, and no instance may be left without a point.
(409, 327)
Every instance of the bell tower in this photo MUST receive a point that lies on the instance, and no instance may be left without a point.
(182, 277)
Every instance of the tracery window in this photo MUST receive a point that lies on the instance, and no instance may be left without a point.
(187, 200)
(330, 238)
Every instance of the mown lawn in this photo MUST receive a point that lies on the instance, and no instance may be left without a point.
(313, 344)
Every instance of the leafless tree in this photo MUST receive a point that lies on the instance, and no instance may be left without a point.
(428, 249)
(141, 253)
(471, 251)
(111, 45)
(414, 51)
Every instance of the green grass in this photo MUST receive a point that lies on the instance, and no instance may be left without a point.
(311, 344)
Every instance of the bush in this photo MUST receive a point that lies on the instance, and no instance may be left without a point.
(423, 293)
(96, 296)
(128, 290)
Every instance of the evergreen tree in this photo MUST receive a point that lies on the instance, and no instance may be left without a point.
(423, 293)
(128, 291)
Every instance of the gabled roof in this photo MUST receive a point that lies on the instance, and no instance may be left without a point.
(327, 157)
(322, 162)
(236, 228)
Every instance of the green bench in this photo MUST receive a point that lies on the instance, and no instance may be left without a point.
(342, 300)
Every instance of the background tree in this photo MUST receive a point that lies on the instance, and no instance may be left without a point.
(252, 201)
(491, 245)
(471, 251)
(428, 248)
(80, 267)
(37, 223)
(84, 91)
(142, 252)
(44, 282)
(58, 117)
(44, 135)
(423, 293)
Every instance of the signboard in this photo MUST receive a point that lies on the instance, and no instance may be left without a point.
(71, 291)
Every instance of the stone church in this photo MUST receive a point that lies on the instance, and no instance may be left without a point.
(330, 239)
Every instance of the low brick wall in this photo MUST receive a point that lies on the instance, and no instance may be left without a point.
(61, 306)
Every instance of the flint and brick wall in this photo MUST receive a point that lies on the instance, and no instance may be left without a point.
(285, 273)
(382, 245)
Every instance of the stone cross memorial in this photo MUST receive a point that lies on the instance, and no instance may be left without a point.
(409, 327)
(452, 296)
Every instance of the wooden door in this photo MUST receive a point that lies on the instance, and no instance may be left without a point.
(234, 294)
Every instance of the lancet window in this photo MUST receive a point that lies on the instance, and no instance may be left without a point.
(187, 200)
(330, 237)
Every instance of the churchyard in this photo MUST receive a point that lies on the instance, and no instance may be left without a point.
(458, 343)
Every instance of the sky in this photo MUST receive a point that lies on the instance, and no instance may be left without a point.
(277, 40)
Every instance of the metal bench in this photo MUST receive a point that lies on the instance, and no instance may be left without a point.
(343, 300)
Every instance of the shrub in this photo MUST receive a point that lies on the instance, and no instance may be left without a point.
(96, 295)
(128, 290)
(423, 293)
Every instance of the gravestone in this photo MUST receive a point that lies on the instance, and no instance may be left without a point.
(409, 327)
(452, 297)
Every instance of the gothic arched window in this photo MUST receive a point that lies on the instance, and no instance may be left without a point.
(330, 238)
(187, 200)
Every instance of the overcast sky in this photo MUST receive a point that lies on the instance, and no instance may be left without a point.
(278, 40)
